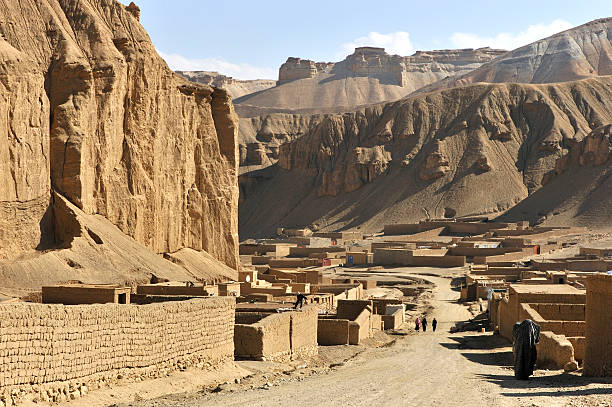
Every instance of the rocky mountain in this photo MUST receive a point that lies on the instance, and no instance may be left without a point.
(235, 87)
(581, 52)
(367, 76)
(102, 139)
(479, 149)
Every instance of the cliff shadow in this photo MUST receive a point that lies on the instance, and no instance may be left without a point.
(58, 226)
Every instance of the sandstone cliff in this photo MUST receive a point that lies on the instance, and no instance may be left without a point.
(235, 87)
(480, 149)
(367, 76)
(581, 52)
(94, 114)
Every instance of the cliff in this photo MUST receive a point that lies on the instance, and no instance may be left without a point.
(479, 149)
(367, 76)
(235, 87)
(95, 117)
(581, 52)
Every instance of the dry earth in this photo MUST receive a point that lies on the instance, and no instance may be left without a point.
(441, 368)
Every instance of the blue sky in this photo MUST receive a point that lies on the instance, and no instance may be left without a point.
(250, 39)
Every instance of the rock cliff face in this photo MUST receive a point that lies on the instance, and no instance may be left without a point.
(367, 76)
(235, 87)
(267, 132)
(581, 52)
(94, 114)
(479, 149)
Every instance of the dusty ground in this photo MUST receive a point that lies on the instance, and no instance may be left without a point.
(425, 369)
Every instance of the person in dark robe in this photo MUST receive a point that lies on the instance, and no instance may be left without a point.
(300, 300)
(424, 323)
(525, 335)
(434, 324)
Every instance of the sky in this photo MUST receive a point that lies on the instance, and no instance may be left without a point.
(251, 39)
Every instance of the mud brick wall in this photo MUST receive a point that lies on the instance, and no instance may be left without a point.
(304, 326)
(266, 339)
(598, 349)
(561, 312)
(506, 317)
(43, 344)
(394, 320)
(333, 331)
(567, 328)
(438, 261)
(579, 343)
(392, 256)
(351, 309)
(554, 351)
(152, 289)
(361, 327)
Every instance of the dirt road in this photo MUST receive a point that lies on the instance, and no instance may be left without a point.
(428, 369)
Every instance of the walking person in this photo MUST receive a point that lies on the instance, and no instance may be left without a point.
(434, 324)
(417, 324)
(424, 323)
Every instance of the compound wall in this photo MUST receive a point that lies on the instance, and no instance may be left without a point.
(41, 345)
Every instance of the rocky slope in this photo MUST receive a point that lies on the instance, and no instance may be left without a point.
(581, 52)
(367, 76)
(479, 149)
(94, 115)
(235, 87)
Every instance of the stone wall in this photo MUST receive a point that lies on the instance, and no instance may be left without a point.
(47, 346)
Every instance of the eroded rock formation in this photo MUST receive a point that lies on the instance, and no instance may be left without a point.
(581, 52)
(235, 87)
(95, 114)
(478, 149)
(367, 76)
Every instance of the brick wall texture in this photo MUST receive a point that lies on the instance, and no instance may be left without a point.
(42, 344)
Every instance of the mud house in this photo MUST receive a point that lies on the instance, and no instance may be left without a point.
(73, 294)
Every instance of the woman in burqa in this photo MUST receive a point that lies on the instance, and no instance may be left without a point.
(525, 335)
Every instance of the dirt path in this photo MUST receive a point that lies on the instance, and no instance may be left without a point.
(428, 369)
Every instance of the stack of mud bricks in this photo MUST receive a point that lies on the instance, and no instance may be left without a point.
(42, 344)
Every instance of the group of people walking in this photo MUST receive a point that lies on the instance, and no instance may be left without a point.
(423, 322)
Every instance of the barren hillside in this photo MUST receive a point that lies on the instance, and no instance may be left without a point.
(581, 52)
(480, 149)
(98, 125)
(367, 76)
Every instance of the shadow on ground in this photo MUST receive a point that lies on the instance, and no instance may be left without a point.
(497, 351)
(548, 385)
